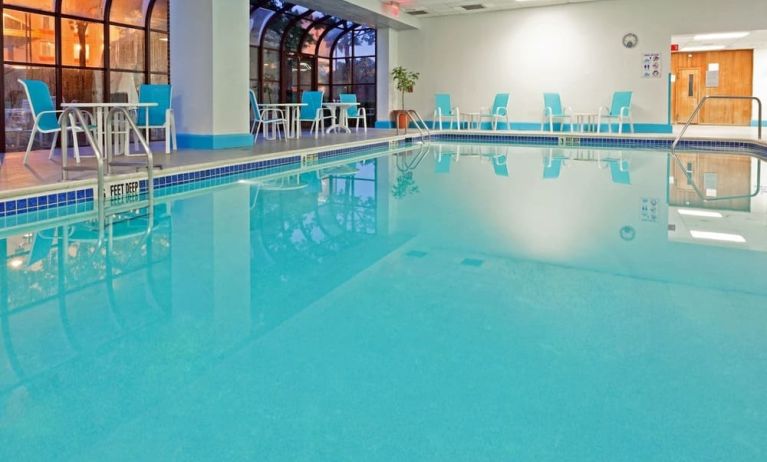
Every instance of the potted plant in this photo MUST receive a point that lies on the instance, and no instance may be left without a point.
(404, 81)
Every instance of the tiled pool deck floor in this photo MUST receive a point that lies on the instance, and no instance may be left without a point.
(41, 173)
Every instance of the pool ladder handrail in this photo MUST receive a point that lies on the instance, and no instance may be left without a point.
(703, 102)
(419, 123)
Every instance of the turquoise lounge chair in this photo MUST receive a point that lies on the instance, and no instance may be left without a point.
(262, 119)
(553, 111)
(46, 117)
(315, 112)
(499, 111)
(620, 110)
(443, 109)
(159, 116)
(356, 113)
(552, 165)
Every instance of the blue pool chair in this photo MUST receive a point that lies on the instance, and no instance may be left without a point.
(620, 110)
(500, 165)
(443, 109)
(315, 112)
(356, 113)
(262, 119)
(444, 160)
(554, 111)
(46, 116)
(499, 111)
(159, 116)
(552, 165)
(619, 171)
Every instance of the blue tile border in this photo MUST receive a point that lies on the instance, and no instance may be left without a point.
(38, 205)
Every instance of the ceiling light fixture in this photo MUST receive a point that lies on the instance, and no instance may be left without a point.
(720, 36)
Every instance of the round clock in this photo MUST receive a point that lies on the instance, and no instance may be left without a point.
(630, 40)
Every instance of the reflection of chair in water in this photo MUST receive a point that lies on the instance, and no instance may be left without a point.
(444, 156)
(619, 169)
(552, 164)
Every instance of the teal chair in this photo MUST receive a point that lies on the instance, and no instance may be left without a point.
(552, 165)
(356, 113)
(159, 116)
(315, 112)
(619, 171)
(444, 158)
(263, 119)
(500, 166)
(443, 109)
(47, 118)
(619, 111)
(499, 111)
(553, 111)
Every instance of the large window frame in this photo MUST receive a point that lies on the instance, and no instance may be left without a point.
(108, 68)
(273, 67)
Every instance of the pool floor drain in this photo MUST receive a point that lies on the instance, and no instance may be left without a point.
(416, 254)
(472, 262)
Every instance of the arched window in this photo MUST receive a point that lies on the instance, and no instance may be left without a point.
(295, 49)
(86, 50)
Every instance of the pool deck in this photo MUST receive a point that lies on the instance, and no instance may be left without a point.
(43, 175)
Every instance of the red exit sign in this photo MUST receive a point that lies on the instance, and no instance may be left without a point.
(674, 47)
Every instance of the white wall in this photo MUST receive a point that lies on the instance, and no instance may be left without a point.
(760, 80)
(572, 49)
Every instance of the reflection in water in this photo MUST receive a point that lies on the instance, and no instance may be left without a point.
(428, 295)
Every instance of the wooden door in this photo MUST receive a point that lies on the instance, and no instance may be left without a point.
(686, 95)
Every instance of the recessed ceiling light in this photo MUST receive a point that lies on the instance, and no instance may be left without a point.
(704, 48)
(416, 12)
(723, 237)
(720, 36)
(473, 6)
(699, 213)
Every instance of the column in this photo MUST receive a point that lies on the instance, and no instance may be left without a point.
(210, 62)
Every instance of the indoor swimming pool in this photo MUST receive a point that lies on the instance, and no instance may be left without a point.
(455, 302)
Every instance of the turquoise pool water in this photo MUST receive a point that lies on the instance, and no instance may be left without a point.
(461, 303)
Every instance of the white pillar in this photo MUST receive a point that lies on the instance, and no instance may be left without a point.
(386, 94)
(210, 58)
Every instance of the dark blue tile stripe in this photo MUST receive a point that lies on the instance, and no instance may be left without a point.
(48, 201)
(51, 200)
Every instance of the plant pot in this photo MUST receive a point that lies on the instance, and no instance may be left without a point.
(400, 119)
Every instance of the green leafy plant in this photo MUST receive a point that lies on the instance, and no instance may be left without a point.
(405, 81)
(404, 185)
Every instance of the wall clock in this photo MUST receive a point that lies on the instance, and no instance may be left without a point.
(630, 40)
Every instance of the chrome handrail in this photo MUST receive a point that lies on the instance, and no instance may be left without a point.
(147, 150)
(700, 106)
(423, 128)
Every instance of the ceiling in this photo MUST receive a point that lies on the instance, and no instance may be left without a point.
(754, 40)
(442, 8)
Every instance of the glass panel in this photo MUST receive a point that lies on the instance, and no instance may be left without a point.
(365, 42)
(271, 65)
(254, 85)
(366, 94)
(313, 36)
(82, 43)
(292, 95)
(257, 20)
(327, 42)
(341, 71)
(159, 78)
(46, 5)
(254, 63)
(128, 12)
(292, 63)
(343, 46)
(86, 8)
(325, 89)
(271, 92)
(29, 38)
(364, 70)
(18, 117)
(123, 86)
(323, 69)
(306, 71)
(298, 10)
(338, 89)
(159, 19)
(126, 47)
(158, 52)
(82, 85)
(274, 30)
